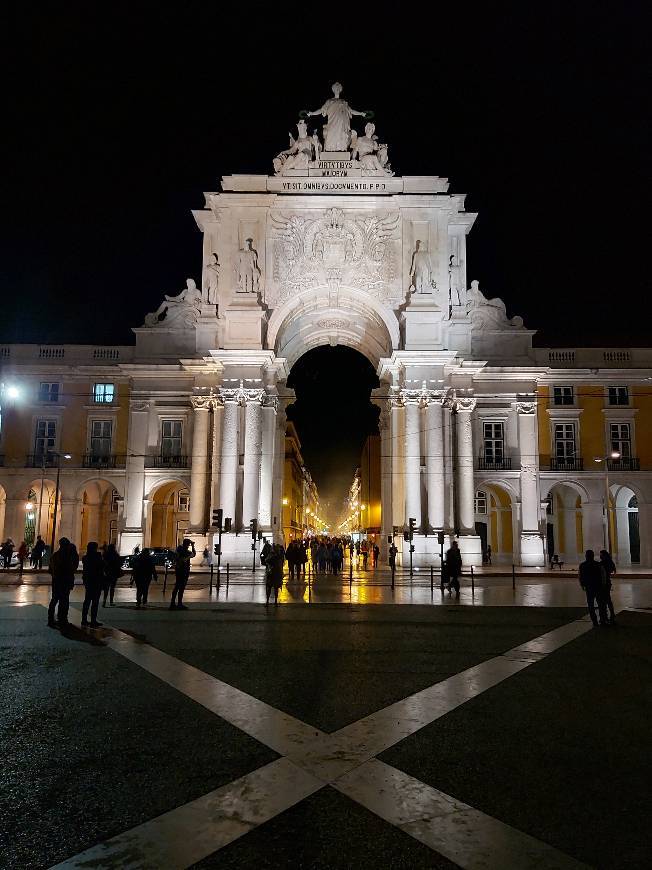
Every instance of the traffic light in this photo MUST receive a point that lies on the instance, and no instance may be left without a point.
(412, 523)
(216, 550)
(217, 518)
(440, 538)
(406, 535)
(260, 535)
(389, 539)
(227, 524)
(253, 525)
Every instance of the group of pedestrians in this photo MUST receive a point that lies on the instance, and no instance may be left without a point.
(595, 580)
(23, 554)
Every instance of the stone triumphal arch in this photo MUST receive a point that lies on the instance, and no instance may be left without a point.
(334, 248)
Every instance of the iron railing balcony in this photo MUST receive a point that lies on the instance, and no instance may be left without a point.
(108, 460)
(494, 464)
(41, 460)
(566, 463)
(624, 463)
(161, 461)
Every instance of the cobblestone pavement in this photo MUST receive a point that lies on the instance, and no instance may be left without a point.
(324, 735)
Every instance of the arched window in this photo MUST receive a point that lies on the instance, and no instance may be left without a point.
(481, 502)
(633, 503)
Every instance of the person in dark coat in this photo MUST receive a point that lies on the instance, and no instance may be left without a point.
(112, 572)
(63, 564)
(454, 566)
(36, 557)
(143, 572)
(274, 572)
(591, 583)
(608, 569)
(93, 577)
(185, 552)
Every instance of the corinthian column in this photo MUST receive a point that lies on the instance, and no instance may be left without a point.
(199, 466)
(229, 463)
(252, 457)
(465, 482)
(267, 464)
(435, 463)
(531, 539)
(412, 461)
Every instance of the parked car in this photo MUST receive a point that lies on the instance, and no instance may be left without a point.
(163, 557)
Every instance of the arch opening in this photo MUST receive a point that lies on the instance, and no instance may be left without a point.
(494, 523)
(168, 516)
(99, 513)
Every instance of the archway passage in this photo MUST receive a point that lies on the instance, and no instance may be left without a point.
(564, 524)
(333, 417)
(170, 514)
(625, 527)
(99, 513)
(494, 523)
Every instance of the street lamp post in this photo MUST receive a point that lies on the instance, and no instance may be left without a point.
(607, 525)
(56, 494)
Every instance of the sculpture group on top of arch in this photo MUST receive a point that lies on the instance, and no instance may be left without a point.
(341, 146)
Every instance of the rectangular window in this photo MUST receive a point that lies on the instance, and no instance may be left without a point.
(114, 501)
(621, 441)
(481, 502)
(184, 502)
(564, 440)
(101, 432)
(171, 432)
(493, 442)
(103, 394)
(563, 395)
(619, 395)
(46, 437)
(48, 392)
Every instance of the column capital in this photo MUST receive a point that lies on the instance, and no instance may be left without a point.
(241, 395)
(270, 402)
(422, 396)
(529, 408)
(465, 404)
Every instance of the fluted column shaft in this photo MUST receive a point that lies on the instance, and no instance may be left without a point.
(229, 464)
(252, 459)
(412, 462)
(465, 481)
(267, 465)
(199, 466)
(435, 464)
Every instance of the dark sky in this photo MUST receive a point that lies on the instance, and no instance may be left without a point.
(117, 119)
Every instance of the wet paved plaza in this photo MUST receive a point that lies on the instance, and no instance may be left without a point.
(342, 728)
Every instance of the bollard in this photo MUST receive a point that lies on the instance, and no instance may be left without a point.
(165, 579)
(472, 582)
(513, 579)
(227, 576)
(432, 580)
(210, 584)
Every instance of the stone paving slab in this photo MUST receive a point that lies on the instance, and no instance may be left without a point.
(565, 741)
(326, 831)
(92, 745)
(333, 665)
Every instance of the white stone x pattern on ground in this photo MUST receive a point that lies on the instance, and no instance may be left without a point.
(346, 760)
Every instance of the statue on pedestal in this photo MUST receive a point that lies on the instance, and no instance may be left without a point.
(211, 281)
(421, 270)
(368, 151)
(299, 154)
(248, 269)
(181, 311)
(337, 132)
(489, 313)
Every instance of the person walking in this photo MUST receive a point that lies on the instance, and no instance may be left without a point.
(321, 558)
(7, 551)
(144, 571)
(93, 577)
(38, 550)
(274, 573)
(376, 554)
(112, 573)
(185, 552)
(454, 566)
(608, 570)
(591, 583)
(291, 556)
(63, 564)
(22, 556)
(364, 549)
(205, 558)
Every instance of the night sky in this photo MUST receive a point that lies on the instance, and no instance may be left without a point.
(116, 122)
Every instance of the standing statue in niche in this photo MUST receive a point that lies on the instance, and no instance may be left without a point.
(248, 269)
(177, 312)
(457, 293)
(212, 280)
(337, 132)
(421, 270)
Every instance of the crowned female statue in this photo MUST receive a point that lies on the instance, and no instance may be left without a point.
(337, 132)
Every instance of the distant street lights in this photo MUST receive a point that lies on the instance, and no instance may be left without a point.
(607, 525)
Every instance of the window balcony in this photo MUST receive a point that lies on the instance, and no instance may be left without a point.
(624, 463)
(108, 460)
(495, 464)
(41, 460)
(167, 461)
(566, 463)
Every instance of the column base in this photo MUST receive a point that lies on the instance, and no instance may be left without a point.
(471, 550)
(129, 540)
(532, 553)
(236, 550)
(427, 550)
